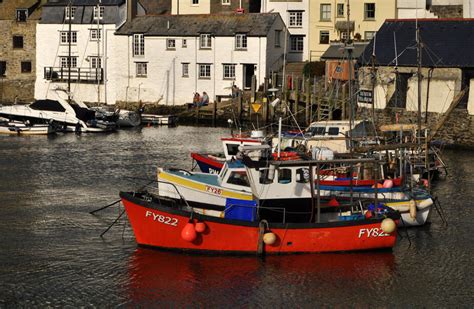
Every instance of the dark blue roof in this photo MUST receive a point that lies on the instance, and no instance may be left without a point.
(446, 43)
(83, 2)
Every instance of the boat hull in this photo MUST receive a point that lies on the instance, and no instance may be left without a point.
(161, 227)
(208, 164)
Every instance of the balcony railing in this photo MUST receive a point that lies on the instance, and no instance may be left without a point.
(78, 75)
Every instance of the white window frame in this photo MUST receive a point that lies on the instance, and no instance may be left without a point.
(204, 70)
(225, 2)
(205, 41)
(295, 19)
(138, 45)
(194, 2)
(141, 69)
(296, 41)
(185, 69)
(101, 12)
(241, 41)
(69, 14)
(171, 44)
(64, 37)
(278, 38)
(366, 11)
(63, 62)
(325, 12)
(338, 6)
(228, 71)
(369, 35)
(95, 62)
(95, 34)
(18, 15)
(184, 43)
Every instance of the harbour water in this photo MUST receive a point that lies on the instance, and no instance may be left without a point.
(51, 252)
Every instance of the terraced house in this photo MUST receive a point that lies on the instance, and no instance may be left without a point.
(18, 19)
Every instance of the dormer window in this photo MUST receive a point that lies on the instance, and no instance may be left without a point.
(98, 12)
(240, 41)
(205, 41)
(21, 15)
(69, 12)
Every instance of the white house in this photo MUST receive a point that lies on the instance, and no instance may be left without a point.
(167, 58)
(80, 34)
(295, 14)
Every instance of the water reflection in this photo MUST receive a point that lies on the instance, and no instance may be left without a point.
(174, 279)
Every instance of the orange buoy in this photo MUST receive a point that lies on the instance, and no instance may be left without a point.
(333, 202)
(379, 185)
(388, 183)
(269, 238)
(368, 214)
(200, 227)
(388, 225)
(189, 233)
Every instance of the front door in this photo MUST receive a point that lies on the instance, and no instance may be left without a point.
(249, 71)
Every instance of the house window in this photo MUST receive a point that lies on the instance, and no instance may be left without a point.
(65, 62)
(3, 68)
(296, 19)
(325, 12)
(240, 41)
(70, 12)
(98, 12)
(369, 35)
(205, 41)
(184, 43)
(138, 45)
(185, 69)
(195, 2)
(225, 2)
(296, 43)
(170, 44)
(323, 37)
(340, 10)
(229, 71)
(21, 15)
(344, 35)
(95, 34)
(141, 68)
(95, 62)
(205, 71)
(66, 35)
(277, 38)
(17, 41)
(26, 67)
(369, 10)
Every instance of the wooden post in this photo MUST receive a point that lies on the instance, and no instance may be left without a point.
(214, 114)
(197, 114)
(308, 102)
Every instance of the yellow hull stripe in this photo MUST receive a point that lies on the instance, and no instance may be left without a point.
(225, 193)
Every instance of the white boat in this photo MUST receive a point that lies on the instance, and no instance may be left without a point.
(70, 117)
(25, 128)
(152, 119)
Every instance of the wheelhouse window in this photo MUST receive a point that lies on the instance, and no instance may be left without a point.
(295, 19)
(26, 67)
(21, 15)
(170, 44)
(204, 71)
(138, 45)
(320, 131)
(296, 43)
(229, 71)
(302, 175)
(325, 13)
(369, 10)
(65, 62)
(333, 131)
(278, 38)
(67, 37)
(239, 178)
(324, 37)
(284, 175)
(205, 41)
(185, 72)
(141, 69)
(241, 41)
(98, 12)
(69, 12)
(340, 10)
(17, 41)
(95, 34)
(265, 176)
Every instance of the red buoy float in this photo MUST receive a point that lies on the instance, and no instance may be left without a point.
(333, 202)
(189, 233)
(200, 227)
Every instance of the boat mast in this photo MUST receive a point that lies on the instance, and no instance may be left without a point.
(98, 64)
(349, 51)
(69, 60)
(419, 75)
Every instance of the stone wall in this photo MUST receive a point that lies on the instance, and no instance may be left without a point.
(447, 11)
(458, 129)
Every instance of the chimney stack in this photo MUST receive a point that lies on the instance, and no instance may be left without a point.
(131, 9)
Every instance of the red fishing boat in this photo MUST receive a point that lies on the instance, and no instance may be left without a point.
(161, 223)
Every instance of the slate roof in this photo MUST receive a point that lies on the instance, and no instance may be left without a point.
(447, 43)
(336, 51)
(8, 8)
(54, 12)
(253, 24)
(156, 7)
